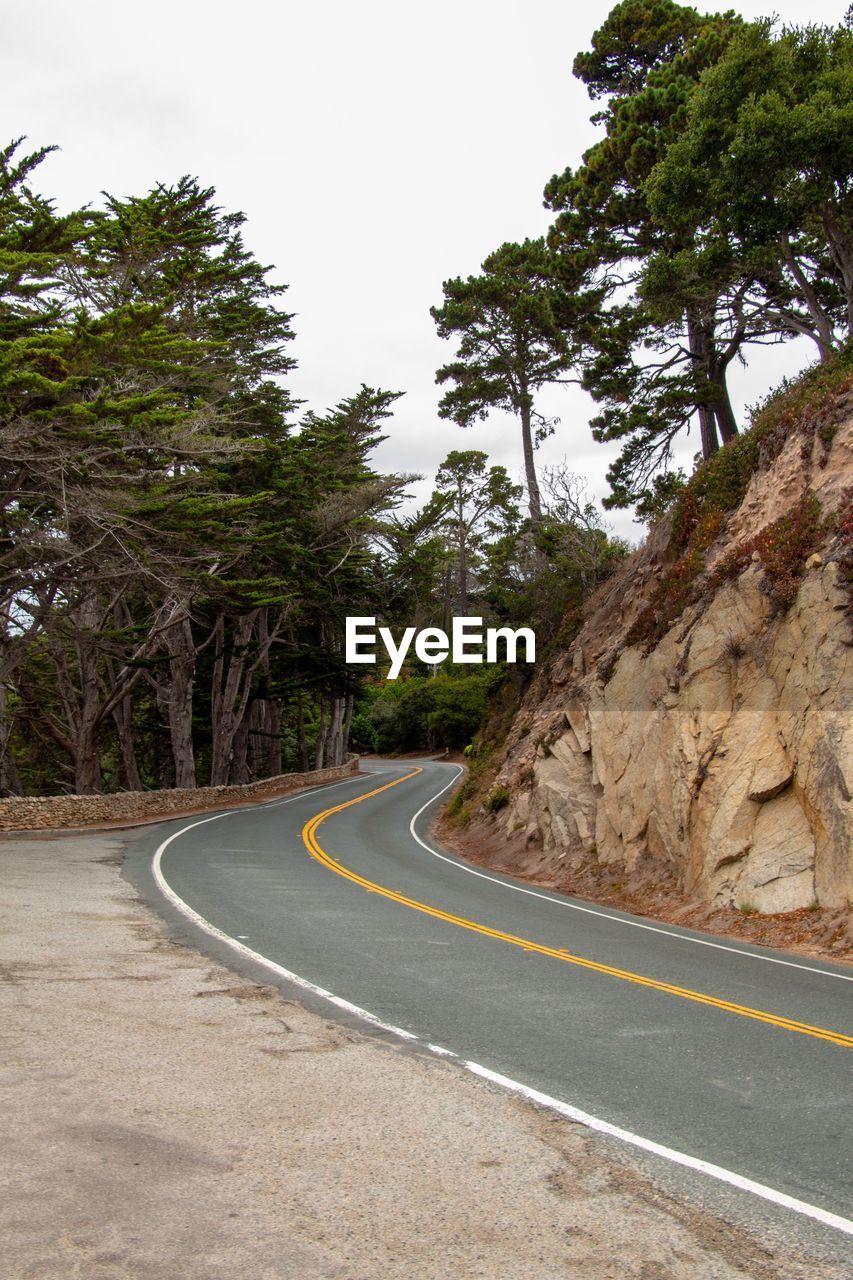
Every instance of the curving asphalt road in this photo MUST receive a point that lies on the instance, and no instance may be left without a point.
(726, 1059)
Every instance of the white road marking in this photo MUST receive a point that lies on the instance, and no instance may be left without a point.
(564, 1109)
(235, 944)
(607, 915)
(675, 1157)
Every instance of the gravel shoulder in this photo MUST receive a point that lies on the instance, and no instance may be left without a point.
(163, 1117)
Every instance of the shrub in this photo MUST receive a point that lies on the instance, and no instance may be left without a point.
(457, 800)
(362, 732)
(676, 589)
(423, 713)
(497, 799)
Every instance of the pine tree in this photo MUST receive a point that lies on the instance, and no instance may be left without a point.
(766, 162)
(674, 310)
(514, 324)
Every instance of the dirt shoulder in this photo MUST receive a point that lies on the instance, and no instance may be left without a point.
(164, 1118)
(826, 933)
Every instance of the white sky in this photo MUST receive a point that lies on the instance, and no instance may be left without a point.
(378, 147)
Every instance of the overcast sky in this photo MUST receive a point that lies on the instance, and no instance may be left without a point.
(377, 148)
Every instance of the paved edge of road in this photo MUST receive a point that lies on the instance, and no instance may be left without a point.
(729, 1177)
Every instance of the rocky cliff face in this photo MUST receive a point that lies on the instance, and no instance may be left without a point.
(723, 745)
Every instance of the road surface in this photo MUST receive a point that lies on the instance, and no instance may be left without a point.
(729, 1060)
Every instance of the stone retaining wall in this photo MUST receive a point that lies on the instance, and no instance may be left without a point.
(48, 813)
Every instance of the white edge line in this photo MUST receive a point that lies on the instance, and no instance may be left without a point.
(675, 1157)
(606, 915)
(564, 1109)
(211, 929)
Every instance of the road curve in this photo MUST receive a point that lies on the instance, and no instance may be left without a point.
(730, 1059)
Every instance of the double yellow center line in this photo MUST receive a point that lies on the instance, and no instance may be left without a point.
(309, 836)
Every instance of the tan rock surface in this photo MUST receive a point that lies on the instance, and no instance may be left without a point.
(726, 752)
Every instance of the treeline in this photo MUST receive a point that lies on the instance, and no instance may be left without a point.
(176, 560)
(713, 215)
(469, 551)
(179, 547)
(180, 543)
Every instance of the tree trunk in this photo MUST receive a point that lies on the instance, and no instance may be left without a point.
(10, 782)
(821, 332)
(239, 774)
(708, 431)
(88, 618)
(274, 729)
(231, 685)
(724, 413)
(322, 731)
(701, 354)
(534, 499)
(178, 702)
(232, 680)
(462, 550)
(87, 760)
(257, 739)
(347, 723)
(123, 720)
(335, 752)
(840, 245)
(300, 733)
(447, 611)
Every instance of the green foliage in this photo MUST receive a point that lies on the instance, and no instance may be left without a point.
(715, 213)
(458, 811)
(475, 512)
(363, 737)
(656, 349)
(513, 324)
(174, 249)
(176, 562)
(542, 577)
(635, 38)
(811, 406)
(427, 713)
(659, 496)
(497, 799)
(765, 160)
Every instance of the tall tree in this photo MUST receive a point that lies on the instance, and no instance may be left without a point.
(765, 160)
(658, 354)
(177, 250)
(514, 324)
(479, 503)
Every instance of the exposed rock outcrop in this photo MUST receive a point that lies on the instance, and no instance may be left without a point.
(726, 750)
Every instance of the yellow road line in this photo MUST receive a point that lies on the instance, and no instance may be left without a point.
(309, 837)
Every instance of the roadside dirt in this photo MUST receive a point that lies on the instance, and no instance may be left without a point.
(651, 891)
(163, 1118)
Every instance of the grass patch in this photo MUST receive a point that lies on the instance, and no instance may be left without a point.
(456, 803)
